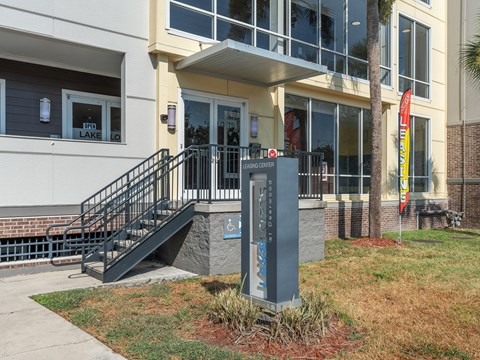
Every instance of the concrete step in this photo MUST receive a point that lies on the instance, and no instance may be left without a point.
(137, 233)
(124, 244)
(95, 269)
(110, 255)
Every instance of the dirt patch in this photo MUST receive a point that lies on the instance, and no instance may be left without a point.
(340, 338)
(375, 242)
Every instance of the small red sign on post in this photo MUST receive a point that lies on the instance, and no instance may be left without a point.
(272, 153)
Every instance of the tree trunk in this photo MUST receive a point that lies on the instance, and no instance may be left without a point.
(373, 53)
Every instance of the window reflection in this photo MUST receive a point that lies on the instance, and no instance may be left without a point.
(413, 57)
(342, 133)
(419, 155)
(333, 24)
(329, 32)
(240, 10)
(295, 122)
(226, 30)
(323, 139)
(357, 29)
(198, 24)
(304, 20)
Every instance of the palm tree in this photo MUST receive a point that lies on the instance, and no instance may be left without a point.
(377, 11)
(470, 58)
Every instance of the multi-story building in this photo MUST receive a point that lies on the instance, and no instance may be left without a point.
(77, 109)
(212, 82)
(298, 71)
(463, 116)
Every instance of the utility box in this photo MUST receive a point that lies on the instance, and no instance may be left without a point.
(270, 227)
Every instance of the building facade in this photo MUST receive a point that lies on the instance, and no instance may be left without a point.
(77, 109)
(294, 74)
(463, 116)
(85, 97)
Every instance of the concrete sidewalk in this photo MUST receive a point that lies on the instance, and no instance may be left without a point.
(30, 331)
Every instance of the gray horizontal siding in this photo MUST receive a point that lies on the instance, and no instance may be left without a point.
(27, 83)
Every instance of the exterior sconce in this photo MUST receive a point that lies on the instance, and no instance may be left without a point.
(44, 110)
(254, 126)
(170, 117)
(172, 112)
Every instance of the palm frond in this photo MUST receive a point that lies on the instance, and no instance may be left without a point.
(470, 59)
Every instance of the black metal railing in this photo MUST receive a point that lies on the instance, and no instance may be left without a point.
(132, 208)
(92, 209)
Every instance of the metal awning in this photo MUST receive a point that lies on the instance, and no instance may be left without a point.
(237, 61)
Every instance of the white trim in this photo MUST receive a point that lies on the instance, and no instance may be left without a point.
(105, 101)
(426, 4)
(2, 107)
(213, 99)
(413, 44)
(59, 65)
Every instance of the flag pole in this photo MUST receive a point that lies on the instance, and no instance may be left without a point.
(403, 156)
(399, 239)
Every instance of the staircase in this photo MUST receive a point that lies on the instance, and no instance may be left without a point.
(131, 217)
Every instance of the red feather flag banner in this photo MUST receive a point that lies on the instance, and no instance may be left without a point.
(404, 149)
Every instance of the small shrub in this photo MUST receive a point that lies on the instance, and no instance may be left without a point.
(309, 321)
(230, 308)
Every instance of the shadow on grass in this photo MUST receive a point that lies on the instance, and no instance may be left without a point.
(464, 232)
(215, 286)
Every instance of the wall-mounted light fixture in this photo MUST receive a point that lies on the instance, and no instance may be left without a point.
(170, 117)
(254, 126)
(44, 110)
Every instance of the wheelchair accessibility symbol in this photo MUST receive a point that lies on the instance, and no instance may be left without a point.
(232, 227)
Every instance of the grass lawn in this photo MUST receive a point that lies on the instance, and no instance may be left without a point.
(418, 301)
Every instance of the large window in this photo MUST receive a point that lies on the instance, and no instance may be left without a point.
(2, 106)
(419, 155)
(330, 32)
(91, 117)
(342, 133)
(413, 57)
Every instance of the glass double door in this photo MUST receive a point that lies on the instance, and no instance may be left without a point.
(216, 126)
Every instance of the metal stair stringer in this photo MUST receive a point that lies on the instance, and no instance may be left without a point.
(145, 247)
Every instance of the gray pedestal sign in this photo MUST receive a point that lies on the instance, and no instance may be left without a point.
(270, 232)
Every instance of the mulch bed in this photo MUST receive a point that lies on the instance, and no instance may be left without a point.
(337, 340)
(375, 242)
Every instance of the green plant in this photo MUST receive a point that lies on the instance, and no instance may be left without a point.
(304, 323)
(231, 308)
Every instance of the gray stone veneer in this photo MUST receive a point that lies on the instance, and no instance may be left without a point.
(200, 247)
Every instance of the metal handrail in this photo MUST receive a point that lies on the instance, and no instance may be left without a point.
(198, 173)
(162, 153)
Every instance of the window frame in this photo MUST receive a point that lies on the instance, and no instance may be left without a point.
(336, 160)
(413, 49)
(3, 129)
(428, 155)
(105, 101)
(285, 37)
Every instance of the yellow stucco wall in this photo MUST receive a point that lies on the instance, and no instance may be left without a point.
(268, 103)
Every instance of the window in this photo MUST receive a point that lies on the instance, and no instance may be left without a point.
(341, 132)
(419, 154)
(425, 1)
(414, 58)
(330, 32)
(2, 106)
(91, 117)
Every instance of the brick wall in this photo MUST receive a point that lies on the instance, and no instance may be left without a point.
(30, 226)
(352, 220)
(464, 197)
